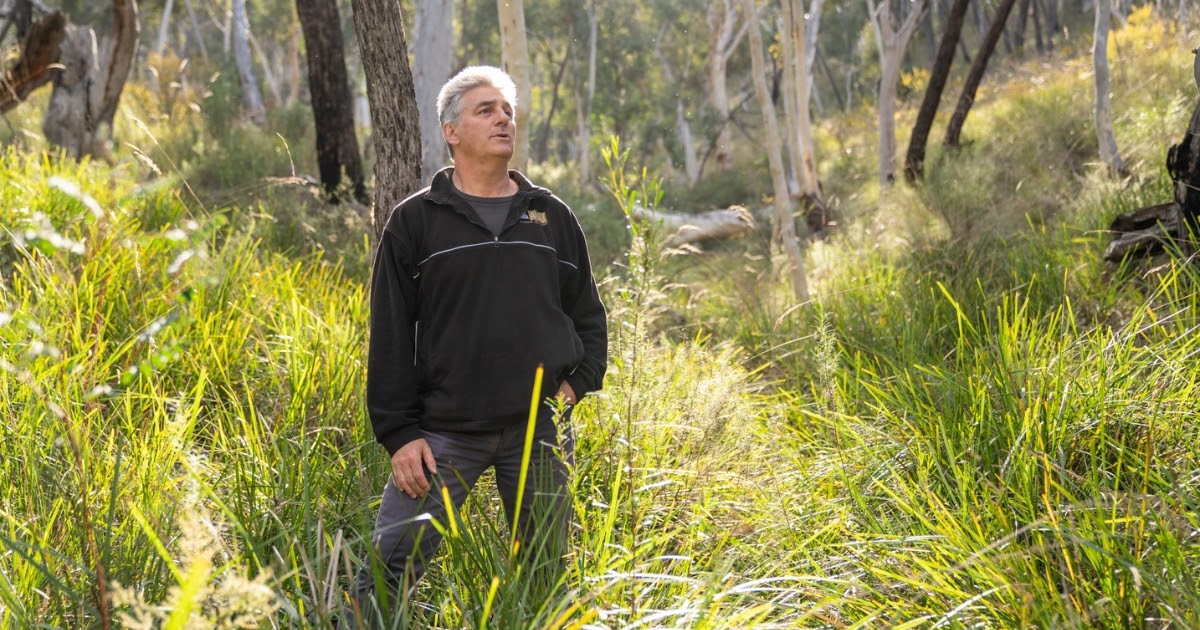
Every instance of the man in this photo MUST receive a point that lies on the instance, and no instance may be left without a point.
(478, 280)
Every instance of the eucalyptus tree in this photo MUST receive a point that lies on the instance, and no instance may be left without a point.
(1109, 154)
(332, 106)
(966, 97)
(379, 26)
(88, 85)
(892, 40)
(784, 223)
(914, 159)
(251, 95)
(432, 55)
(515, 60)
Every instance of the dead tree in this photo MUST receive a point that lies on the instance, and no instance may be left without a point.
(1148, 230)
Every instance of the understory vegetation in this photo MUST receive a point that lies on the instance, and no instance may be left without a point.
(974, 423)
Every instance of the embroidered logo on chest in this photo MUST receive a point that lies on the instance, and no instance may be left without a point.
(534, 216)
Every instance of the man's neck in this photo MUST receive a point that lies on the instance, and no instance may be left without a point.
(484, 180)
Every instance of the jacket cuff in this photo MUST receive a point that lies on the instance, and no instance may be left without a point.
(395, 440)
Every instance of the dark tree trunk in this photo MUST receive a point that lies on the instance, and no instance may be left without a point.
(1019, 26)
(332, 104)
(975, 75)
(543, 144)
(1051, 23)
(1035, 6)
(914, 161)
(379, 27)
(39, 52)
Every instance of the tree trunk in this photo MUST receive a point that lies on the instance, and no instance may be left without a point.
(914, 161)
(683, 127)
(35, 66)
(1019, 26)
(433, 54)
(88, 86)
(332, 105)
(515, 60)
(379, 27)
(270, 77)
(196, 35)
(723, 40)
(796, 46)
(1104, 130)
(160, 44)
(785, 224)
(251, 96)
(543, 145)
(975, 74)
(892, 42)
(585, 115)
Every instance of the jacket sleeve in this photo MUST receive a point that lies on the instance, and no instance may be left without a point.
(392, 400)
(581, 300)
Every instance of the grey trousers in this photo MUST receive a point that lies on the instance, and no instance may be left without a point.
(404, 539)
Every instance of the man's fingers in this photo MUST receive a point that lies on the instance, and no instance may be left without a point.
(430, 464)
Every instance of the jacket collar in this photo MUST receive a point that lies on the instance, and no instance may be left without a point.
(441, 189)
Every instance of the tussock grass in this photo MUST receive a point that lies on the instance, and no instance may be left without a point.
(975, 424)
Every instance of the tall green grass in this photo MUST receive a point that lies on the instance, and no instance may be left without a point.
(991, 431)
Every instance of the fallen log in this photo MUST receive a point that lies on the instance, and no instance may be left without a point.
(730, 222)
(1148, 230)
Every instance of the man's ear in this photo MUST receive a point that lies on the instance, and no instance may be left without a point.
(449, 134)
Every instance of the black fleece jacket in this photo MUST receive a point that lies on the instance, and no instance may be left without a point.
(461, 318)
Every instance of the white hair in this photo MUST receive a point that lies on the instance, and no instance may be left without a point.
(449, 100)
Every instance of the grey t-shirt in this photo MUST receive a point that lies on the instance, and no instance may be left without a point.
(493, 210)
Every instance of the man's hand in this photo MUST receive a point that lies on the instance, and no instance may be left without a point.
(408, 467)
(566, 393)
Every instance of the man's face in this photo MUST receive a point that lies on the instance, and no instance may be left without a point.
(486, 129)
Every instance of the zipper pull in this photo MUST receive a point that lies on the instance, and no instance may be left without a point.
(495, 241)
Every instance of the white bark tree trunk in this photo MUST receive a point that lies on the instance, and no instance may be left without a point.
(433, 55)
(585, 111)
(892, 42)
(270, 77)
(251, 96)
(783, 211)
(1104, 129)
(87, 89)
(196, 30)
(683, 128)
(160, 44)
(515, 60)
(723, 40)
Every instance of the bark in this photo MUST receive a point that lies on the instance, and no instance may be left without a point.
(332, 104)
(683, 128)
(975, 75)
(1103, 113)
(543, 146)
(199, 39)
(34, 68)
(88, 86)
(914, 160)
(515, 60)
(160, 44)
(797, 81)
(731, 222)
(585, 112)
(433, 54)
(785, 225)
(379, 27)
(1018, 27)
(270, 77)
(892, 41)
(723, 41)
(251, 96)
